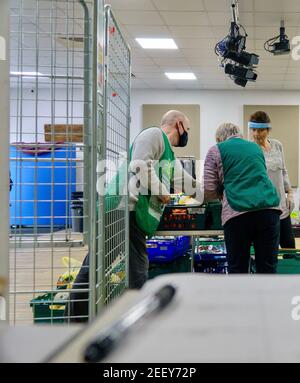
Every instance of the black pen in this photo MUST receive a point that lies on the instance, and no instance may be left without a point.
(100, 347)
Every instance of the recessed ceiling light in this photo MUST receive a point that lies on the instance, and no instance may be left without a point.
(157, 43)
(181, 76)
(31, 74)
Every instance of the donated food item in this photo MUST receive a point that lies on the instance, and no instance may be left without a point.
(59, 301)
(66, 280)
(182, 199)
(212, 249)
(187, 200)
(118, 270)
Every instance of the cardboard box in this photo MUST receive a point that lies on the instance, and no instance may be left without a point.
(63, 133)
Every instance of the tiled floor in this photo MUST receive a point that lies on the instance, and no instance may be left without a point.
(36, 270)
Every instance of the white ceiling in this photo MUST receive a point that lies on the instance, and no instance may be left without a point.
(196, 26)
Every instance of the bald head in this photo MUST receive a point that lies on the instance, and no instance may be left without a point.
(174, 123)
(172, 117)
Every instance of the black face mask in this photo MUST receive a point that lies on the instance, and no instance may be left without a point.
(183, 139)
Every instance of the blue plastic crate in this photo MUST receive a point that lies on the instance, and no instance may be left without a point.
(166, 250)
(210, 257)
(210, 263)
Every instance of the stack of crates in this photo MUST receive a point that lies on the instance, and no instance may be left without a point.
(210, 256)
(168, 255)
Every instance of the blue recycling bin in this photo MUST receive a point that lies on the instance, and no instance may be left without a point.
(41, 192)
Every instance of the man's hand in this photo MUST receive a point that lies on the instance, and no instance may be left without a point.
(165, 199)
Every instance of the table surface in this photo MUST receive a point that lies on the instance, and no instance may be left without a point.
(32, 344)
(213, 318)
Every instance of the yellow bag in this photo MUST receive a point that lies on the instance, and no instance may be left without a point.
(66, 280)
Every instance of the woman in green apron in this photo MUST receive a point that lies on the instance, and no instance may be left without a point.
(235, 172)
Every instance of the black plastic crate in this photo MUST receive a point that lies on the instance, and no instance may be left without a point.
(182, 218)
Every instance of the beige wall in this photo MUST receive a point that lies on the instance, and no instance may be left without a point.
(4, 140)
(285, 128)
(152, 115)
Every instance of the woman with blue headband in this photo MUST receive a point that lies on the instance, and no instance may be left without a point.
(260, 127)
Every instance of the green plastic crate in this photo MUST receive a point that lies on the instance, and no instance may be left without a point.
(179, 265)
(288, 263)
(213, 242)
(213, 213)
(43, 312)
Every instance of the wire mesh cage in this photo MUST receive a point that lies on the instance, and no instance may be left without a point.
(113, 227)
(51, 102)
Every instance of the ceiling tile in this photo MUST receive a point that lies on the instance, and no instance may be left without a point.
(196, 26)
(210, 77)
(294, 64)
(160, 84)
(191, 32)
(139, 52)
(138, 84)
(210, 70)
(292, 70)
(288, 85)
(195, 43)
(265, 33)
(259, 43)
(141, 5)
(167, 61)
(203, 61)
(264, 55)
(277, 6)
(185, 18)
(165, 54)
(246, 6)
(188, 85)
(220, 18)
(224, 19)
(198, 53)
(139, 18)
(246, 19)
(158, 31)
(268, 5)
(179, 5)
(146, 68)
(272, 70)
(217, 5)
(142, 61)
(173, 68)
(267, 19)
(270, 77)
(292, 77)
(155, 76)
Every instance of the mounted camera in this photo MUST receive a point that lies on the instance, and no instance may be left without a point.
(238, 64)
(279, 45)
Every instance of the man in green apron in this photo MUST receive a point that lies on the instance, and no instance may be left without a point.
(235, 172)
(153, 168)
